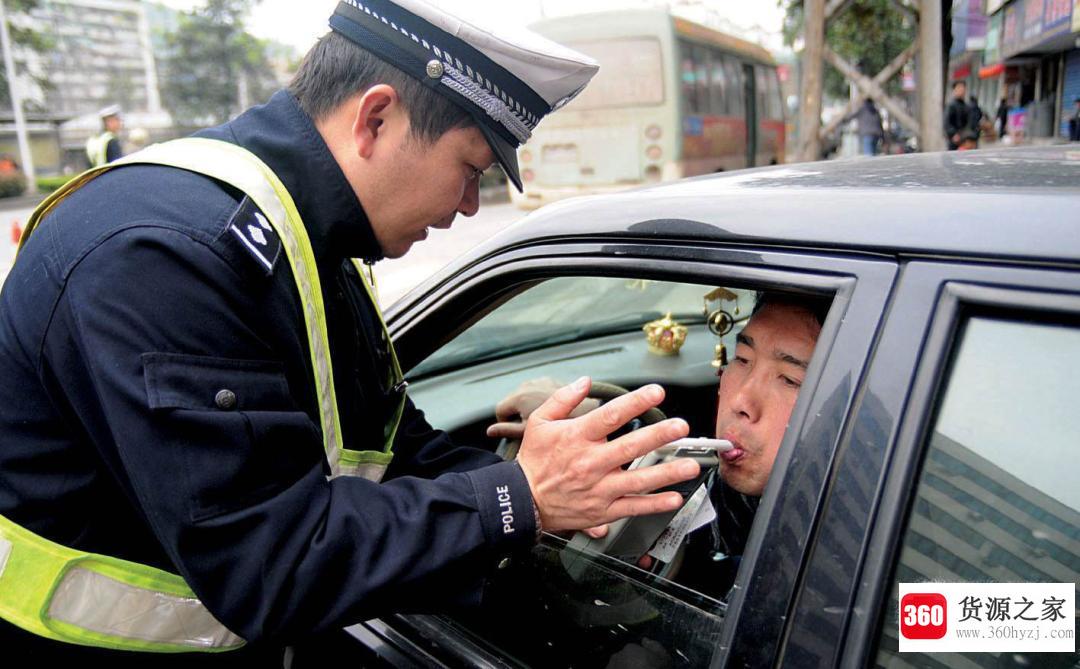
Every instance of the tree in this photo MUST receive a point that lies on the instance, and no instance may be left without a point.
(23, 38)
(867, 33)
(213, 64)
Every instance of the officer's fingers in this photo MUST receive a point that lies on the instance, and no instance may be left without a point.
(637, 443)
(598, 532)
(647, 479)
(506, 431)
(565, 400)
(645, 562)
(619, 411)
(644, 505)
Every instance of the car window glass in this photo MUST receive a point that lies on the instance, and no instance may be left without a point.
(997, 498)
(560, 606)
(570, 309)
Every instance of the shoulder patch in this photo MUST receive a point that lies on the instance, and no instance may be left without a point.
(250, 226)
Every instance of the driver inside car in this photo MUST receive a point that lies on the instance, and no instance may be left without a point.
(756, 395)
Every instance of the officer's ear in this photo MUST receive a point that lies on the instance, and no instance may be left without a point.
(377, 107)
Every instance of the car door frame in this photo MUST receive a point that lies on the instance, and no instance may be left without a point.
(843, 592)
(861, 285)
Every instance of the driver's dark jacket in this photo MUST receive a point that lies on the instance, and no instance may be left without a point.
(131, 307)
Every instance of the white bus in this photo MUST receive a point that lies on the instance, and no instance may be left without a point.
(672, 99)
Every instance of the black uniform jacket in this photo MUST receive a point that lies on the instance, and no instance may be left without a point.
(137, 301)
(112, 151)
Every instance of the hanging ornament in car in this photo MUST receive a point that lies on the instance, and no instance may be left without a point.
(720, 323)
(665, 336)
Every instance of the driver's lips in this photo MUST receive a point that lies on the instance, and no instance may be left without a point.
(736, 454)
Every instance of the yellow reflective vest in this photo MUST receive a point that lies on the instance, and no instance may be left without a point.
(97, 148)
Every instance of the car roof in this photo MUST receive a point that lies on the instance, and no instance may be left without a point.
(1018, 203)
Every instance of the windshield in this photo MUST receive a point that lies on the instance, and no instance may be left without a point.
(570, 309)
(631, 74)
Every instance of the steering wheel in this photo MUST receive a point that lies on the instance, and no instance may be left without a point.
(604, 392)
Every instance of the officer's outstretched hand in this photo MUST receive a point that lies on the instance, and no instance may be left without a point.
(575, 472)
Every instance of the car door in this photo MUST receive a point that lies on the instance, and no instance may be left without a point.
(958, 465)
(534, 614)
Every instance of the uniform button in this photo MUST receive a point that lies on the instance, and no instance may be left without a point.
(225, 399)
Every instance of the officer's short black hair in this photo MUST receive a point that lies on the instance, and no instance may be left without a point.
(336, 69)
(817, 306)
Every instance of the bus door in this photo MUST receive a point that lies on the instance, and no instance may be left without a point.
(750, 104)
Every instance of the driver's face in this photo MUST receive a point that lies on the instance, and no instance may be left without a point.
(758, 391)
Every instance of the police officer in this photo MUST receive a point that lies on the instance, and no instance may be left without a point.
(105, 148)
(198, 395)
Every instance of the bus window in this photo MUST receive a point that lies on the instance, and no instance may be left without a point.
(631, 74)
(762, 90)
(718, 85)
(701, 78)
(735, 86)
(691, 103)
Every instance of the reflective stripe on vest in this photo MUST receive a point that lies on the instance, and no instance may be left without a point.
(95, 600)
(97, 148)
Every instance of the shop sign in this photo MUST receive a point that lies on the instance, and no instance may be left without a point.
(1033, 19)
(1057, 14)
(1029, 23)
(1011, 30)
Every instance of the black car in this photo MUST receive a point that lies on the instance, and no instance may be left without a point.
(935, 437)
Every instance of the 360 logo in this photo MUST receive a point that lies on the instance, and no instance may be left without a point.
(922, 615)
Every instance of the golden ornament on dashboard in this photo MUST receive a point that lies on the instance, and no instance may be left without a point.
(665, 336)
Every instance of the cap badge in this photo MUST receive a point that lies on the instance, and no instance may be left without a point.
(435, 69)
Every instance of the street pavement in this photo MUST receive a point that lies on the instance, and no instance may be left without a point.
(395, 277)
(399, 276)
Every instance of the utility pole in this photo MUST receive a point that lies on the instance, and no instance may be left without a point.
(16, 102)
(812, 80)
(931, 78)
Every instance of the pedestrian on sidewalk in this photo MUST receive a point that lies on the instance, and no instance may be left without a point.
(957, 115)
(868, 121)
(1002, 115)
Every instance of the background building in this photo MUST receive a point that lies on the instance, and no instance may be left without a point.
(102, 52)
(1030, 55)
